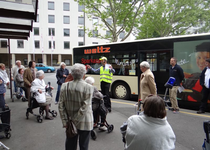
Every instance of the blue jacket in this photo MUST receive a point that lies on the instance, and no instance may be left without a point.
(59, 75)
(177, 73)
(2, 87)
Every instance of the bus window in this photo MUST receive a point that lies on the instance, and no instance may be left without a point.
(164, 61)
(152, 60)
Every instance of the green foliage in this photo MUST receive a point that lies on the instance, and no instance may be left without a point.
(172, 17)
(122, 13)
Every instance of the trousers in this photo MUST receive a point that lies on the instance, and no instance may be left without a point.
(173, 97)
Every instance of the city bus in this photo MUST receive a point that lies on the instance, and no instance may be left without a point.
(125, 57)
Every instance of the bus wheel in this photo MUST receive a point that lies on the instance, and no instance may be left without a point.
(121, 90)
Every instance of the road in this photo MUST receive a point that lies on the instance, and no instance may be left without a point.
(49, 135)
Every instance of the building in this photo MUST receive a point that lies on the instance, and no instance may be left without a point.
(60, 22)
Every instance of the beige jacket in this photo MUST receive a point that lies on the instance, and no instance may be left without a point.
(147, 84)
(76, 101)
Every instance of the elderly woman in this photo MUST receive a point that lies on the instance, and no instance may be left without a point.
(19, 80)
(150, 130)
(61, 76)
(75, 102)
(38, 86)
(3, 75)
(147, 82)
(98, 99)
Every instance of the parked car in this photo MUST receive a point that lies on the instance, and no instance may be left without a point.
(45, 68)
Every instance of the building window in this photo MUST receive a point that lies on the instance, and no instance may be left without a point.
(122, 35)
(51, 19)
(37, 18)
(36, 43)
(94, 42)
(51, 6)
(81, 33)
(19, 1)
(81, 8)
(66, 32)
(50, 44)
(109, 21)
(36, 31)
(66, 19)
(66, 6)
(51, 30)
(66, 45)
(3, 44)
(80, 43)
(95, 33)
(108, 33)
(95, 21)
(81, 20)
(20, 44)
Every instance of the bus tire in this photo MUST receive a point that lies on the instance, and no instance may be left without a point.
(121, 90)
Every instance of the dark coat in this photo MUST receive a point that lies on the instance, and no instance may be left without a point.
(177, 73)
(202, 77)
(2, 87)
(59, 75)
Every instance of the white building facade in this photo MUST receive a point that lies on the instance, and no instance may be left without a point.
(60, 22)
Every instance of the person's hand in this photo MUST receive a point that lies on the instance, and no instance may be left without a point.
(7, 83)
(12, 78)
(29, 84)
(52, 87)
(40, 91)
(64, 75)
(4, 94)
(88, 66)
(110, 66)
(1, 81)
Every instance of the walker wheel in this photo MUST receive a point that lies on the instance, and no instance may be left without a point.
(54, 113)
(8, 135)
(93, 134)
(39, 119)
(110, 128)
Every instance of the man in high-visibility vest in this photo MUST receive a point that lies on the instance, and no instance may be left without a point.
(106, 73)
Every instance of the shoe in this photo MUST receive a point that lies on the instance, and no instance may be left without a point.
(56, 103)
(109, 109)
(200, 112)
(95, 125)
(103, 128)
(49, 118)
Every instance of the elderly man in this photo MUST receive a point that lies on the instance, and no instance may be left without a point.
(4, 75)
(106, 73)
(61, 76)
(75, 102)
(205, 83)
(28, 77)
(15, 72)
(147, 82)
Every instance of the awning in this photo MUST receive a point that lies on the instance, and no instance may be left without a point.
(16, 19)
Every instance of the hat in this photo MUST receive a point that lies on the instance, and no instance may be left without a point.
(203, 47)
(103, 58)
(208, 60)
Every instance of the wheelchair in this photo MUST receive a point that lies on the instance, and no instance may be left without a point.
(34, 104)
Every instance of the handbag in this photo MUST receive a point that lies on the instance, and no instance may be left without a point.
(71, 129)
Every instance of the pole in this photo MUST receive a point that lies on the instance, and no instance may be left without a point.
(84, 25)
(10, 74)
(51, 59)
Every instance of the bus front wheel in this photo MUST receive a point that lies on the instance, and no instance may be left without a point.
(121, 90)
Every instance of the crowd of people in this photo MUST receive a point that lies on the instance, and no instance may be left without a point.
(76, 96)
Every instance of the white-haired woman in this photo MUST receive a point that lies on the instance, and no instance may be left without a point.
(98, 106)
(38, 86)
(147, 82)
(75, 102)
(3, 75)
(61, 76)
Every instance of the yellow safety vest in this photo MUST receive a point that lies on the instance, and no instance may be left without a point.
(105, 75)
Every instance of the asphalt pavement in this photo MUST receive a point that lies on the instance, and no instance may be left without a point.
(49, 135)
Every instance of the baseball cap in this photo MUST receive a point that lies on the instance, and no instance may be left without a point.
(208, 60)
(103, 58)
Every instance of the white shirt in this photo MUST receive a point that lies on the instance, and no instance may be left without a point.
(207, 78)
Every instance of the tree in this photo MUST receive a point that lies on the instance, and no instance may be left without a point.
(173, 17)
(117, 16)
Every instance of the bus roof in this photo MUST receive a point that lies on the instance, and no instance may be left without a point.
(149, 39)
